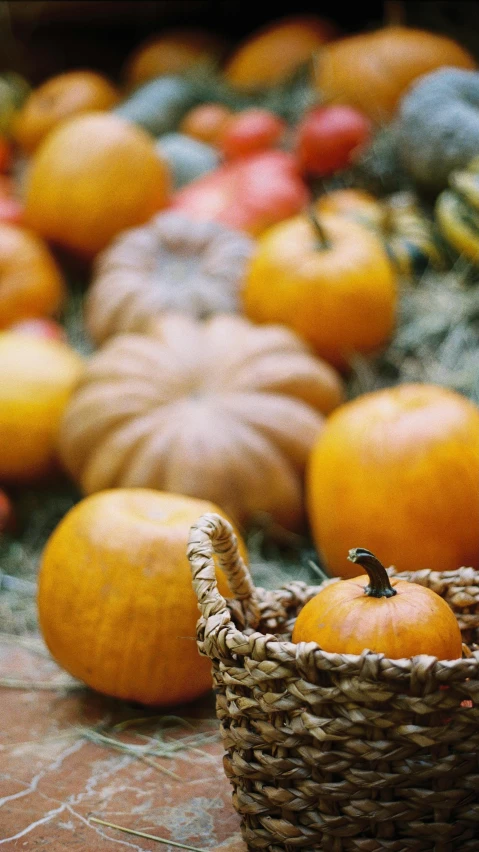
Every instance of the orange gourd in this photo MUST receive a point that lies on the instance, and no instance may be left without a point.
(58, 99)
(399, 469)
(91, 178)
(172, 52)
(391, 617)
(205, 122)
(249, 132)
(274, 53)
(372, 70)
(38, 376)
(352, 202)
(329, 279)
(115, 600)
(31, 284)
(8, 518)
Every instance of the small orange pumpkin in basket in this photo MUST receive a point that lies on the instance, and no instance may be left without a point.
(391, 617)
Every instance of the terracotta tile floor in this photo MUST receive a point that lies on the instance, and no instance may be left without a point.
(53, 778)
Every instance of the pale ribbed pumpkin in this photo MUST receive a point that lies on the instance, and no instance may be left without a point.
(173, 263)
(222, 410)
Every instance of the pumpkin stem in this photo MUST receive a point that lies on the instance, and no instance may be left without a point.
(379, 584)
(323, 242)
(394, 14)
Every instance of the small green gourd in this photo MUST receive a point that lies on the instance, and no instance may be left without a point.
(438, 126)
(187, 158)
(457, 212)
(159, 105)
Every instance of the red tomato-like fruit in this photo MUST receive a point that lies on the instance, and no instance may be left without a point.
(328, 137)
(5, 155)
(250, 132)
(250, 193)
(11, 210)
(206, 122)
(40, 327)
(8, 521)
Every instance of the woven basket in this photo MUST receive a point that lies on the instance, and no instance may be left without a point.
(335, 752)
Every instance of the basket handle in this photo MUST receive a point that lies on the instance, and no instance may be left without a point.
(213, 537)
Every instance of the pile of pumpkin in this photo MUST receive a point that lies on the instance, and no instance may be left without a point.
(228, 296)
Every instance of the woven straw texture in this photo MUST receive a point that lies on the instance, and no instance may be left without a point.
(335, 752)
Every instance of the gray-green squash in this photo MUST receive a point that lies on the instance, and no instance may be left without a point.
(159, 105)
(438, 126)
(187, 158)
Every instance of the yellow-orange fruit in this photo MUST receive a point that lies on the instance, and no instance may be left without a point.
(274, 53)
(372, 70)
(31, 284)
(38, 376)
(396, 618)
(171, 52)
(116, 602)
(335, 287)
(58, 99)
(398, 470)
(91, 178)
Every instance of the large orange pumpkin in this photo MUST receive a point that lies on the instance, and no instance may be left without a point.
(398, 469)
(395, 618)
(115, 600)
(38, 376)
(328, 279)
(31, 284)
(92, 177)
(372, 70)
(58, 99)
(273, 54)
(172, 52)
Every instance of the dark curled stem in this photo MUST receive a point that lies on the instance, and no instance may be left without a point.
(323, 242)
(379, 583)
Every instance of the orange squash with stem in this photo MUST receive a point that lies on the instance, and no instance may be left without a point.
(329, 279)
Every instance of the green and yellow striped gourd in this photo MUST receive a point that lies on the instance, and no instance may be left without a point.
(457, 212)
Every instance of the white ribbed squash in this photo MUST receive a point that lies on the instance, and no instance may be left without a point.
(172, 263)
(223, 410)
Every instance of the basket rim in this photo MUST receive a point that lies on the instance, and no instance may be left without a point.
(214, 535)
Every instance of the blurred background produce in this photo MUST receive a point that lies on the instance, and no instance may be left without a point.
(313, 175)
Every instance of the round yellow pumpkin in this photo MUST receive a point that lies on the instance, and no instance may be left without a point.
(328, 278)
(398, 469)
(92, 177)
(38, 376)
(115, 599)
